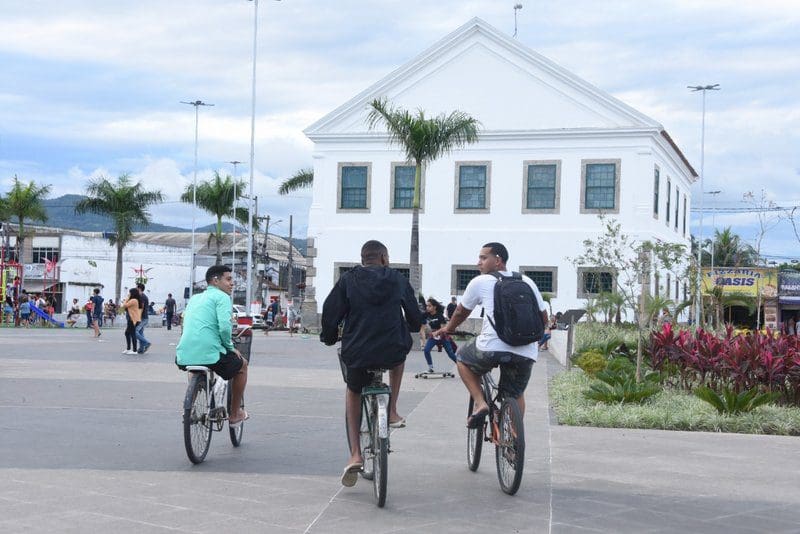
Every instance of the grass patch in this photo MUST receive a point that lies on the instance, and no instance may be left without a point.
(589, 335)
(668, 410)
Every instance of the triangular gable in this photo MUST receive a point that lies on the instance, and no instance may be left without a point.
(507, 86)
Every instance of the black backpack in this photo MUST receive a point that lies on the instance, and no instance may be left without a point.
(517, 318)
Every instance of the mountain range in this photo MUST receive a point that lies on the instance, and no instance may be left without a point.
(61, 214)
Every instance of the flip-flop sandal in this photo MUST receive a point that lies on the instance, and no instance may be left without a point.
(476, 420)
(350, 474)
(235, 424)
(400, 423)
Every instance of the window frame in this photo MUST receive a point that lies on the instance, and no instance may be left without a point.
(669, 198)
(53, 251)
(543, 268)
(393, 209)
(457, 187)
(339, 173)
(556, 209)
(581, 271)
(454, 276)
(656, 191)
(677, 206)
(617, 188)
(685, 209)
(337, 266)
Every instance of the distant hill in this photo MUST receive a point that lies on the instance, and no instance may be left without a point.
(61, 214)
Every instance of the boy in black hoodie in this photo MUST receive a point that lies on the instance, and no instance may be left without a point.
(379, 311)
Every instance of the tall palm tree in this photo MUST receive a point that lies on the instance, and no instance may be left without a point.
(126, 204)
(216, 197)
(424, 140)
(299, 180)
(24, 202)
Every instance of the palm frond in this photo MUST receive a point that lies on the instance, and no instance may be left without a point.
(299, 180)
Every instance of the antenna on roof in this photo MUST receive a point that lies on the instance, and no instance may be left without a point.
(517, 7)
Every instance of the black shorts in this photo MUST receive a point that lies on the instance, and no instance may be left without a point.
(515, 370)
(227, 367)
(357, 378)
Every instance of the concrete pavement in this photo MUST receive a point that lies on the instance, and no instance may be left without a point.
(91, 441)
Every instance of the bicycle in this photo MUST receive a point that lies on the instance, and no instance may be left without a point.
(207, 403)
(504, 428)
(374, 431)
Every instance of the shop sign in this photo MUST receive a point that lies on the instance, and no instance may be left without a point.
(789, 283)
(748, 281)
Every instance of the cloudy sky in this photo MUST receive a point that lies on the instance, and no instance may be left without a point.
(91, 87)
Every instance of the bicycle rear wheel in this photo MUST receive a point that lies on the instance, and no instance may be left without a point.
(510, 447)
(380, 449)
(474, 442)
(196, 422)
(237, 432)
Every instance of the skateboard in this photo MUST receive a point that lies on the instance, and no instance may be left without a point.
(438, 374)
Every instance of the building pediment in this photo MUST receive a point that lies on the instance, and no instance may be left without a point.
(504, 84)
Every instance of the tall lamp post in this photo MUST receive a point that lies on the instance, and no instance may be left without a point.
(517, 7)
(233, 244)
(196, 104)
(699, 304)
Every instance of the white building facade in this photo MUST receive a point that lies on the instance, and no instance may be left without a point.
(554, 153)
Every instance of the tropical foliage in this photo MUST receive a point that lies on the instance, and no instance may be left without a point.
(299, 180)
(217, 197)
(423, 139)
(24, 203)
(127, 204)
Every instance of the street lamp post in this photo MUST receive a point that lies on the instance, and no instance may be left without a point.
(196, 104)
(699, 304)
(233, 244)
(713, 225)
(517, 7)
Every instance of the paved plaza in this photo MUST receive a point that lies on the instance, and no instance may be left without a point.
(91, 441)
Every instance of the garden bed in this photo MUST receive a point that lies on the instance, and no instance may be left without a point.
(670, 409)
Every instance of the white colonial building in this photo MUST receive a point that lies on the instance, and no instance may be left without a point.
(554, 152)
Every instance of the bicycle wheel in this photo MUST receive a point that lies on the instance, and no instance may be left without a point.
(235, 433)
(474, 442)
(196, 422)
(510, 447)
(380, 448)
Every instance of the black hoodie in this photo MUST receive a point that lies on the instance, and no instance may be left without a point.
(371, 301)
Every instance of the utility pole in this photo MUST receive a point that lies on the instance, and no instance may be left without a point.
(235, 201)
(291, 268)
(264, 259)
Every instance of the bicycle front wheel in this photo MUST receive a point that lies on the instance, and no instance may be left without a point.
(196, 421)
(510, 446)
(474, 442)
(380, 461)
(236, 432)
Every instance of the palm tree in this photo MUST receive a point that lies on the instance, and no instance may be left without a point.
(299, 180)
(423, 140)
(126, 204)
(24, 202)
(730, 250)
(216, 197)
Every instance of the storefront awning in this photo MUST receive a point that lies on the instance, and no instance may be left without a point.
(789, 299)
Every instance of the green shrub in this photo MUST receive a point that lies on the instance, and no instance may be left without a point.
(618, 384)
(591, 361)
(603, 336)
(728, 402)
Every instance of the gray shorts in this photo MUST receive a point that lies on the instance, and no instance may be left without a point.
(515, 370)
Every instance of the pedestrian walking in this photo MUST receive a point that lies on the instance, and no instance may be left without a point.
(97, 311)
(133, 317)
(144, 345)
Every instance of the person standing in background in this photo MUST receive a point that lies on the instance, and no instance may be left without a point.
(169, 307)
(144, 345)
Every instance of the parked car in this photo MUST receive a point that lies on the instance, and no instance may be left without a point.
(241, 311)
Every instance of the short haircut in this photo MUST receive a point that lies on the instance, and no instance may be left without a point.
(169, 295)
(140, 286)
(372, 251)
(215, 271)
(499, 249)
(97, 291)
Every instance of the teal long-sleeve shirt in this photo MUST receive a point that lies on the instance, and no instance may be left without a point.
(206, 328)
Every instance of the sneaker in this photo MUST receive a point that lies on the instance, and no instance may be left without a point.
(146, 348)
(126, 351)
(129, 352)
(430, 370)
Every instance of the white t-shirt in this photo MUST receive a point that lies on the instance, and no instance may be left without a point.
(480, 292)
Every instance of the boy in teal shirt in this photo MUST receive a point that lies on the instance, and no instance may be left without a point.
(206, 337)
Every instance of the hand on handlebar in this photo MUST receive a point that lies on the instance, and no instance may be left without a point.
(441, 332)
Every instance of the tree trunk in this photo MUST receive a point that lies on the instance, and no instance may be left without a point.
(219, 239)
(21, 255)
(118, 281)
(413, 255)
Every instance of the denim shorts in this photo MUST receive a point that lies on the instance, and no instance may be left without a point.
(515, 370)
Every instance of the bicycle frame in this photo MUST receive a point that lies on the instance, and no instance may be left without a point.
(217, 409)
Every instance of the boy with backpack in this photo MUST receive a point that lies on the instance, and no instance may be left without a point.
(513, 322)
